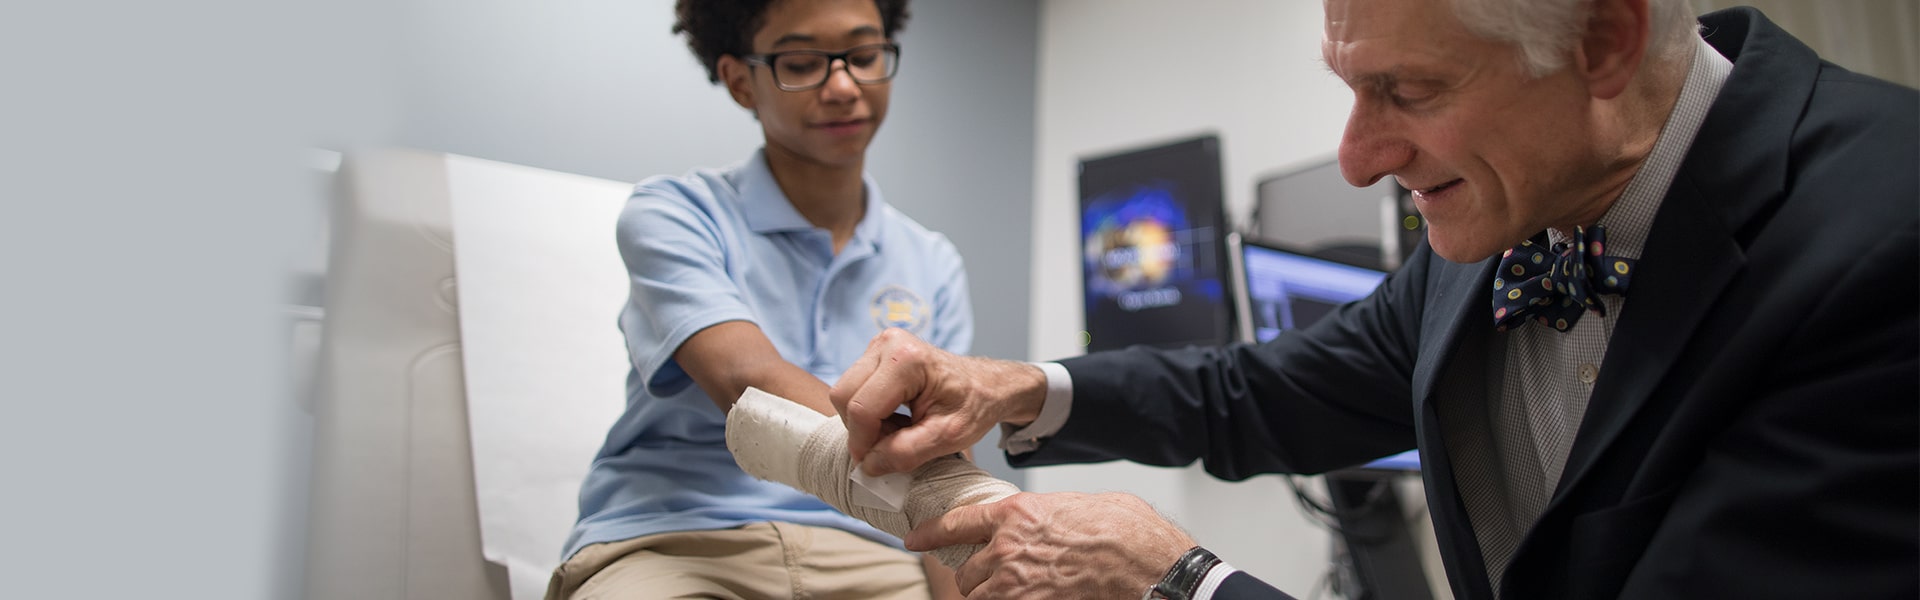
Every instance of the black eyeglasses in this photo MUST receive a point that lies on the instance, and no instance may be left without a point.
(802, 70)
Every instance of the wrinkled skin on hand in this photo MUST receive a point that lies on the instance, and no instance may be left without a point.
(1061, 545)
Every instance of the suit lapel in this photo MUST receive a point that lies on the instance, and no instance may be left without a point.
(1696, 259)
(1459, 296)
(1459, 301)
(1733, 174)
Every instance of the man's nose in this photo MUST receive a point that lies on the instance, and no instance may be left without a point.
(1369, 149)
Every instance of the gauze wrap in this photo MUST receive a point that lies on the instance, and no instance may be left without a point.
(778, 440)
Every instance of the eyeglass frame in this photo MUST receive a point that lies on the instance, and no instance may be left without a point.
(768, 59)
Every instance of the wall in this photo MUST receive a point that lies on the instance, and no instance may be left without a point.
(148, 175)
(1122, 73)
(1876, 37)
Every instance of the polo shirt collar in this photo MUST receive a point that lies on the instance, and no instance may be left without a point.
(767, 210)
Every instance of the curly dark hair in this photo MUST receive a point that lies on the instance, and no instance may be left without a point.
(717, 28)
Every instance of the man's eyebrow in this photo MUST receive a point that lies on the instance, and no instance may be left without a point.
(1376, 81)
(1351, 79)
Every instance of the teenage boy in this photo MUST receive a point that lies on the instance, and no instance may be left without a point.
(773, 273)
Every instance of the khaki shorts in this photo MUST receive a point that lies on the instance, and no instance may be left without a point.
(761, 560)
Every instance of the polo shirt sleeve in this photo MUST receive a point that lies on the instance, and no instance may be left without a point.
(952, 305)
(676, 253)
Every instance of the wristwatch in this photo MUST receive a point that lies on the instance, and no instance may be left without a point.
(1183, 579)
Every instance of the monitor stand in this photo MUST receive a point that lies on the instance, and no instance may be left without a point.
(1378, 540)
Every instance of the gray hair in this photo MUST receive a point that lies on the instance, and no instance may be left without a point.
(1544, 31)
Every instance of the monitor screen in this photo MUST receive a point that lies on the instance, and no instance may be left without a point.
(1152, 250)
(1290, 290)
(1281, 289)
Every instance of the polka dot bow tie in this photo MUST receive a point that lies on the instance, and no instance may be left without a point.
(1554, 287)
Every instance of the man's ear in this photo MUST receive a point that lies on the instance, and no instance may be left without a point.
(1613, 47)
(737, 75)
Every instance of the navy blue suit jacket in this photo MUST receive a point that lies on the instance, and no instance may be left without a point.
(1754, 433)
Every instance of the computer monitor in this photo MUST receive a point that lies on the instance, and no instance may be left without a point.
(1278, 288)
(1312, 205)
(1152, 247)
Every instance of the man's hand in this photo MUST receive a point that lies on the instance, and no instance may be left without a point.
(1062, 545)
(954, 399)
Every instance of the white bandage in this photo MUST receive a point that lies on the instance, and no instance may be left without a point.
(775, 439)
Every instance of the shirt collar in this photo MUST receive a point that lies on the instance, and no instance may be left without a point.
(1631, 217)
(767, 209)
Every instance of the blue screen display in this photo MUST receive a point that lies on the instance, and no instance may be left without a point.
(1291, 291)
(1151, 248)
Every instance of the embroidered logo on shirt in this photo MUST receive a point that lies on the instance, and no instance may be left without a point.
(896, 306)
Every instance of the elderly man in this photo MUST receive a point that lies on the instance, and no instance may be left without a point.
(1663, 342)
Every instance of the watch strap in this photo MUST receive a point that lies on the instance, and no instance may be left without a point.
(1183, 579)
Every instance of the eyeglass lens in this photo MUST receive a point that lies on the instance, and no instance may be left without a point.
(806, 69)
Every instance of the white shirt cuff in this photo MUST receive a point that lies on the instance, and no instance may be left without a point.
(1215, 576)
(1053, 413)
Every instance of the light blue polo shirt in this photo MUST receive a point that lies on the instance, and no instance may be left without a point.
(726, 245)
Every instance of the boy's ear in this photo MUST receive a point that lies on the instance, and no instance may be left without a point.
(737, 75)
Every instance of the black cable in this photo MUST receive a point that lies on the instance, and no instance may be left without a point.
(1325, 583)
(1331, 518)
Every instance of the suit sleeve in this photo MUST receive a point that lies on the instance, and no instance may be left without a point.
(1241, 586)
(1333, 395)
